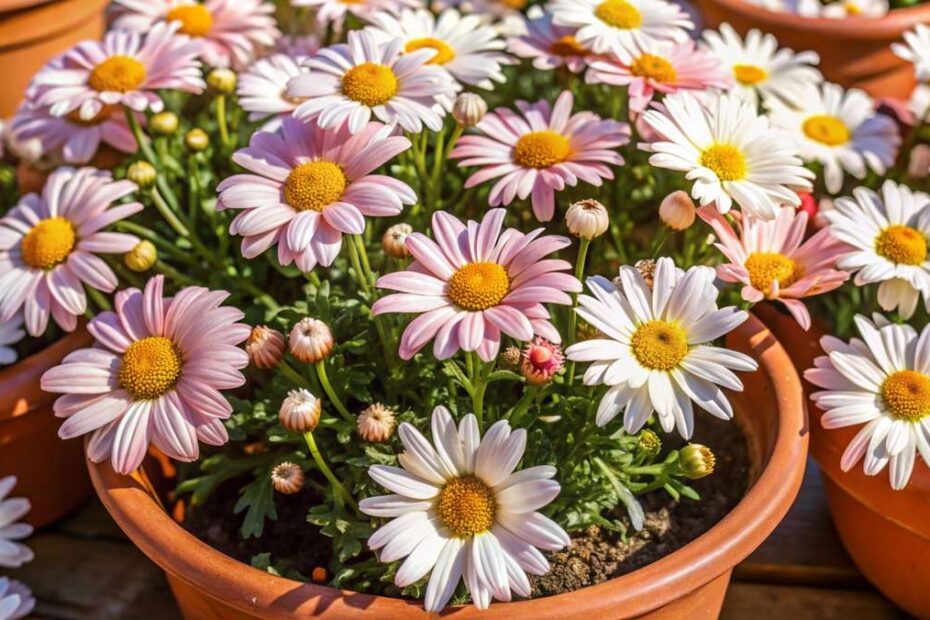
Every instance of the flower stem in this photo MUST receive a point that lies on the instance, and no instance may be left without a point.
(573, 315)
(149, 155)
(331, 393)
(358, 257)
(221, 119)
(168, 214)
(340, 494)
(288, 371)
(479, 382)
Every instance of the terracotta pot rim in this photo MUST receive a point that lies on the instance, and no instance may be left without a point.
(714, 553)
(45, 20)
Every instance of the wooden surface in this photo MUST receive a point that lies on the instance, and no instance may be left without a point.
(86, 569)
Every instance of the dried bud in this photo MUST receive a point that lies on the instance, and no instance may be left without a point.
(142, 257)
(540, 361)
(918, 166)
(511, 358)
(311, 341)
(394, 241)
(265, 347)
(587, 219)
(319, 575)
(287, 478)
(164, 123)
(649, 443)
(196, 140)
(696, 461)
(142, 173)
(469, 109)
(586, 331)
(222, 81)
(677, 210)
(647, 268)
(300, 411)
(376, 423)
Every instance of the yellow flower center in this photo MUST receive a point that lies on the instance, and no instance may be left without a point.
(567, 46)
(767, 267)
(150, 367)
(370, 84)
(478, 286)
(466, 506)
(541, 149)
(749, 75)
(826, 129)
(726, 161)
(48, 243)
(659, 345)
(907, 395)
(195, 19)
(852, 8)
(314, 185)
(444, 53)
(516, 5)
(119, 74)
(901, 244)
(619, 14)
(655, 67)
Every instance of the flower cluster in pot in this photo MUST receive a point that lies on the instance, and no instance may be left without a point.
(358, 249)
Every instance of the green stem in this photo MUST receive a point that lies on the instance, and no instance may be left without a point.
(331, 393)
(174, 274)
(358, 257)
(341, 494)
(479, 383)
(288, 371)
(526, 401)
(168, 214)
(150, 156)
(161, 243)
(221, 119)
(102, 302)
(573, 316)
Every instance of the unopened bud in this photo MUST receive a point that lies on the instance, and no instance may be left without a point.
(196, 140)
(394, 241)
(142, 257)
(511, 358)
(164, 123)
(287, 478)
(319, 575)
(541, 360)
(142, 173)
(222, 81)
(647, 268)
(469, 109)
(265, 347)
(311, 341)
(300, 411)
(587, 219)
(376, 423)
(696, 461)
(649, 443)
(677, 211)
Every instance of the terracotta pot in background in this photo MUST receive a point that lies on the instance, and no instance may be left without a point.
(690, 583)
(854, 52)
(886, 532)
(49, 471)
(34, 31)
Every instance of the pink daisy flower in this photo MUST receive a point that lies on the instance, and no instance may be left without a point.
(70, 139)
(549, 46)
(474, 283)
(231, 32)
(772, 260)
(153, 376)
(48, 246)
(333, 12)
(124, 69)
(541, 152)
(659, 66)
(262, 89)
(307, 186)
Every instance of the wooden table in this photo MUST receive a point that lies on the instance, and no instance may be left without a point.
(86, 569)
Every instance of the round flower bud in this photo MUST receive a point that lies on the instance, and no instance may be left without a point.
(394, 241)
(164, 123)
(319, 575)
(376, 423)
(540, 361)
(196, 140)
(649, 443)
(265, 347)
(469, 109)
(677, 210)
(300, 411)
(142, 257)
(222, 81)
(647, 268)
(142, 173)
(311, 341)
(696, 461)
(587, 219)
(287, 478)
(511, 358)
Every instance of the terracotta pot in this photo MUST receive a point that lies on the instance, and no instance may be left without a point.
(853, 51)
(886, 532)
(49, 471)
(689, 583)
(34, 31)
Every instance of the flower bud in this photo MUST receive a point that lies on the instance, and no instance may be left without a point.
(918, 165)
(677, 210)
(469, 109)
(196, 140)
(142, 173)
(265, 347)
(394, 241)
(647, 268)
(222, 81)
(142, 257)
(164, 123)
(319, 575)
(540, 361)
(311, 341)
(287, 478)
(300, 411)
(696, 461)
(587, 219)
(511, 358)
(649, 443)
(376, 423)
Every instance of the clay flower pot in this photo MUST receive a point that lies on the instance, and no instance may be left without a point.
(34, 31)
(689, 583)
(854, 52)
(49, 471)
(886, 532)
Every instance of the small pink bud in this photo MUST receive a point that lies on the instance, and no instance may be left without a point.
(311, 341)
(376, 423)
(300, 411)
(677, 211)
(265, 347)
(541, 361)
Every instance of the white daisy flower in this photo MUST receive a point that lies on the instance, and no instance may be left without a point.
(888, 236)
(333, 12)
(11, 332)
(760, 69)
(916, 50)
(458, 509)
(654, 355)
(350, 82)
(854, 8)
(16, 601)
(882, 381)
(13, 554)
(729, 151)
(262, 89)
(919, 103)
(621, 26)
(840, 130)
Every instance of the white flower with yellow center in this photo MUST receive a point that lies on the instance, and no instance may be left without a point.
(888, 236)
(729, 151)
(841, 130)
(458, 509)
(882, 381)
(855, 8)
(916, 50)
(654, 354)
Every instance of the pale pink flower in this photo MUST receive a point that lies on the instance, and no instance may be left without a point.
(153, 376)
(49, 243)
(262, 89)
(772, 260)
(540, 151)
(474, 283)
(70, 139)
(307, 186)
(549, 46)
(333, 12)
